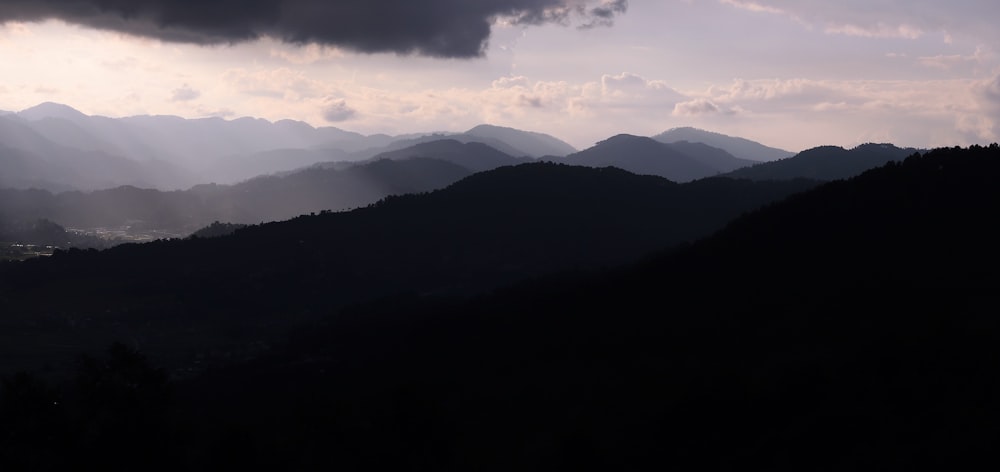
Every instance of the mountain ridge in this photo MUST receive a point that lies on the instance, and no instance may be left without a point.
(737, 146)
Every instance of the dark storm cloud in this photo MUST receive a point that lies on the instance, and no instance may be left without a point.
(442, 28)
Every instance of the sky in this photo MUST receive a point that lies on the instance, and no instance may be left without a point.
(790, 74)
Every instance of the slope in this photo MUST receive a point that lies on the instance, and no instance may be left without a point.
(870, 344)
(826, 163)
(266, 198)
(489, 229)
(530, 143)
(679, 162)
(739, 147)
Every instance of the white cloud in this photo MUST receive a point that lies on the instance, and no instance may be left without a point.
(698, 106)
(282, 82)
(909, 19)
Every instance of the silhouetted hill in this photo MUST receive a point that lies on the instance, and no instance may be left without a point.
(28, 159)
(472, 155)
(848, 327)
(679, 162)
(488, 229)
(856, 330)
(739, 147)
(217, 229)
(530, 143)
(173, 152)
(52, 110)
(826, 163)
(268, 198)
(169, 152)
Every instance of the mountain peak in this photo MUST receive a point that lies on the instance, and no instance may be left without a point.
(529, 142)
(626, 138)
(740, 147)
(51, 110)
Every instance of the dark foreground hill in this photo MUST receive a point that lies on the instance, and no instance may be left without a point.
(242, 290)
(825, 163)
(849, 327)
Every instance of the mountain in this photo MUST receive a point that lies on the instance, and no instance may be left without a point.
(530, 143)
(173, 152)
(52, 110)
(871, 342)
(169, 152)
(328, 187)
(267, 198)
(488, 229)
(472, 155)
(680, 162)
(29, 159)
(739, 147)
(826, 163)
(851, 326)
(510, 141)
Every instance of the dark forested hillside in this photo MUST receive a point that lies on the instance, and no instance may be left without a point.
(825, 163)
(488, 229)
(851, 326)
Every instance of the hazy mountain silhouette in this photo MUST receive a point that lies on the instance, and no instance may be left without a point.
(506, 140)
(170, 152)
(488, 229)
(419, 168)
(198, 150)
(266, 198)
(826, 163)
(530, 143)
(473, 155)
(739, 147)
(29, 159)
(680, 162)
(52, 110)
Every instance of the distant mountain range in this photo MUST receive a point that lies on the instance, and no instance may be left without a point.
(56, 147)
(739, 147)
(266, 198)
(681, 162)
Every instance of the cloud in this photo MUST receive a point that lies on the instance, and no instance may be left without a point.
(704, 106)
(699, 106)
(604, 14)
(184, 94)
(908, 19)
(635, 89)
(337, 110)
(439, 28)
(279, 83)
